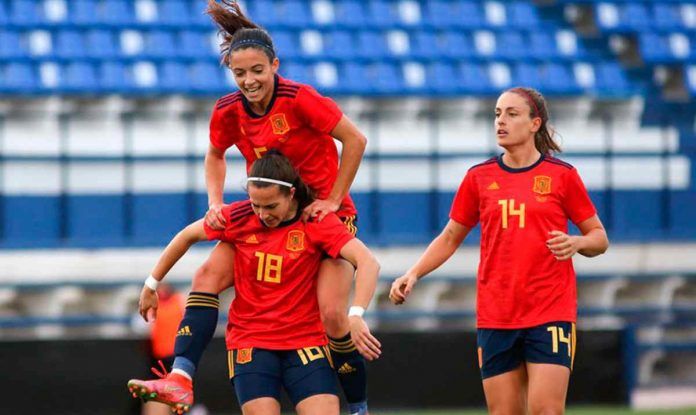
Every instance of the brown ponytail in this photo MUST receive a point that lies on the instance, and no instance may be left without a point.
(238, 32)
(543, 138)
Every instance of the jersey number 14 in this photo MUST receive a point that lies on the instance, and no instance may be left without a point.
(507, 207)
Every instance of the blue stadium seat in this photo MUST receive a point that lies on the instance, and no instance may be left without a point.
(522, 15)
(338, 44)
(197, 15)
(206, 78)
(542, 45)
(372, 45)
(159, 44)
(298, 72)
(20, 78)
(444, 14)
(192, 44)
(114, 77)
(382, 14)
(474, 79)
(511, 45)
(667, 16)
(353, 78)
(527, 74)
(286, 44)
(611, 79)
(469, 14)
(117, 12)
(173, 12)
(101, 44)
(440, 14)
(425, 44)
(4, 18)
(82, 12)
(69, 45)
(263, 12)
(173, 77)
(557, 79)
(295, 14)
(350, 13)
(443, 79)
(458, 45)
(386, 79)
(654, 48)
(635, 16)
(80, 77)
(26, 13)
(11, 47)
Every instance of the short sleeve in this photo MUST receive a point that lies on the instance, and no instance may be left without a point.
(317, 111)
(465, 207)
(218, 234)
(576, 201)
(331, 235)
(222, 133)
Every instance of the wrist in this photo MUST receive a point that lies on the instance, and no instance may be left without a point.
(356, 311)
(151, 283)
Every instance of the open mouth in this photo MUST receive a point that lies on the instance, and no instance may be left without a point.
(501, 133)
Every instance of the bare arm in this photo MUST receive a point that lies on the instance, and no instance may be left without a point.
(172, 253)
(367, 272)
(592, 242)
(215, 170)
(439, 251)
(354, 143)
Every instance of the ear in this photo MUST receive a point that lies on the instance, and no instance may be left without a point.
(292, 192)
(275, 65)
(536, 124)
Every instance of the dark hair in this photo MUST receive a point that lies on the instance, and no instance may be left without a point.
(543, 138)
(238, 32)
(274, 165)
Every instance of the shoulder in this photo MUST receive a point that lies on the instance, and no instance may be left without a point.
(228, 100)
(289, 89)
(330, 221)
(238, 211)
(558, 162)
(490, 162)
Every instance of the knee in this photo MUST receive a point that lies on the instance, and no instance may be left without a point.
(211, 279)
(335, 319)
(546, 409)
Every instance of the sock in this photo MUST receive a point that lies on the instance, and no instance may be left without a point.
(195, 331)
(352, 374)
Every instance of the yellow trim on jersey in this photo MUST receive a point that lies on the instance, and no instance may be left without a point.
(573, 343)
(349, 221)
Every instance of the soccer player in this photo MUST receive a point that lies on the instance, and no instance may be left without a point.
(270, 112)
(526, 303)
(275, 336)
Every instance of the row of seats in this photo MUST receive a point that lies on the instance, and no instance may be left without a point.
(350, 78)
(271, 13)
(658, 48)
(334, 44)
(645, 16)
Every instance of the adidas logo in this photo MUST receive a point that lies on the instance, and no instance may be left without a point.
(184, 331)
(252, 239)
(493, 186)
(346, 368)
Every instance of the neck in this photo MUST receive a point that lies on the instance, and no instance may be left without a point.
(521, 156)
(261, 106)
(292, 212)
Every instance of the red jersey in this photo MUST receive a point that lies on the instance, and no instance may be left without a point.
(297, 123)
(520, 283)
(275, 278)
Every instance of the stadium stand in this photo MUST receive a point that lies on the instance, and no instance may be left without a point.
(103, 125)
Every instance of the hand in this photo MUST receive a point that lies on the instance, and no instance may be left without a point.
(214, 217)
(562, 245)
(319, 209)
(367, 344)
(147, 306)
(401, 288)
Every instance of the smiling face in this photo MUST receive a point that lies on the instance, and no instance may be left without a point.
(254, 74)
(272, 205)
(513, 124)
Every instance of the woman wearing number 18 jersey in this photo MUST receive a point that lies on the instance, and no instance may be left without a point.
(526, 303)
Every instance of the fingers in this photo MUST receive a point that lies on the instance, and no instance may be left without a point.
(220, 218)
(368, 346)
(151, 314)
(321, 215)
(308, 212)
(395, 294)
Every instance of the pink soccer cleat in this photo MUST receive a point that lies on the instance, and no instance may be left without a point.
(171, 389)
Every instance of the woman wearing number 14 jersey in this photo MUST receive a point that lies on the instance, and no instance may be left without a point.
(526, 292)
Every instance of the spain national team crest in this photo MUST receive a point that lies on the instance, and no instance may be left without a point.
(295, 241)
(280, 124)
(542, 185)
(244, 355)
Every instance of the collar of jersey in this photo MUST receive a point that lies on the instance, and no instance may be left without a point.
(521, 169)
(248, 109)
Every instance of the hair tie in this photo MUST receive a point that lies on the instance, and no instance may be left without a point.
(531, 103)
(250, 42)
